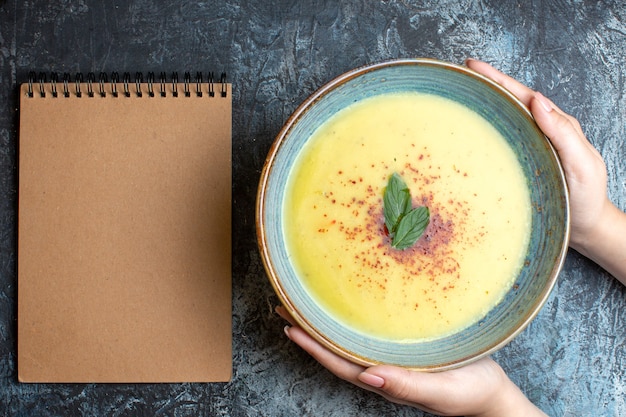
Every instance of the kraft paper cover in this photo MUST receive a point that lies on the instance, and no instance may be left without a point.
(124, 244)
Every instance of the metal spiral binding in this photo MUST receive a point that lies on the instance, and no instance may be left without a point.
(31, 77)
(78, 82)
(186, 82)
(66, 82)
(126, 81)
(42, 80)
(224, 90)
(163, 80)
(91, 78)
(199, 84)
(54, 78)
(115, 78)
(175, 84)
(102, 81)
(150, 82)
(138, 81)
(211, 89)
(65, 89)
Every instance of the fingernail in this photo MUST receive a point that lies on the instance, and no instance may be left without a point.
(545, 103)
(371, 380)
(286, 330)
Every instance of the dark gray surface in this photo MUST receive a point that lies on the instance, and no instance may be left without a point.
(570, 360)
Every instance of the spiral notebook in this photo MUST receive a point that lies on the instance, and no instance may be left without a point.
(124, 245)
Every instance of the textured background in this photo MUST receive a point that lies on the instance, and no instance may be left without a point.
(571, 360)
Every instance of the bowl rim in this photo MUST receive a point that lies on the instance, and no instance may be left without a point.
(285, 299)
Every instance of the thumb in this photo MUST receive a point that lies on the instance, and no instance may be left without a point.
(581, 161)
(398, 383)
(467, 390)
(427, 391)
(563, 130)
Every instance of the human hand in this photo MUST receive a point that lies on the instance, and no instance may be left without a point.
(583, 165)
(479, 389)
(598, 227)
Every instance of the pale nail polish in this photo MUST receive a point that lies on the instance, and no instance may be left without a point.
(545, 103)
(371, 380)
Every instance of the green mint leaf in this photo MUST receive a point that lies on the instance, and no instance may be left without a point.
(410, 228)
(396, 202)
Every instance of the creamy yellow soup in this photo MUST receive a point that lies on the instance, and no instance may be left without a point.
(455, 163)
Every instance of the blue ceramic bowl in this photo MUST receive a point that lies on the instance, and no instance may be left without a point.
(545, 178)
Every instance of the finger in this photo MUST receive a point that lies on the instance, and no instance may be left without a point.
(558, 126)
(563, 130)
(523, 93)
(397, 385)
(547, 106)
(463, 390)
(426, 391)
(282, 312)
(339, 366)
(518, 89)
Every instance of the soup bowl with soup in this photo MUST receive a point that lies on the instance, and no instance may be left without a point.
(412, 213)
